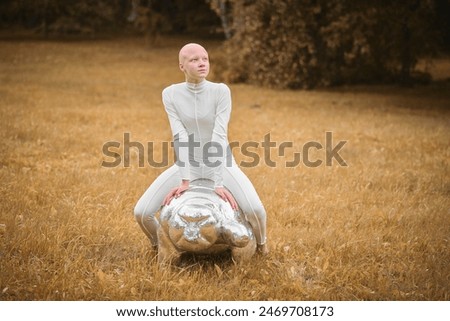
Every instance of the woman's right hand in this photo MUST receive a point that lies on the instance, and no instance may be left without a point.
(176, 192)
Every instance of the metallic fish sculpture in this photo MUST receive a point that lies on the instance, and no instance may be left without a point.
(199, 221)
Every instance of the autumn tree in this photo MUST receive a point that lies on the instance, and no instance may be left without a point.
(310, 43)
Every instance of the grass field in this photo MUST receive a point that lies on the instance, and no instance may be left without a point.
(377, 229)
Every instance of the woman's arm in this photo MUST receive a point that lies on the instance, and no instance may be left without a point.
(180, 141)
(220, 131)
(220, 138)
(179, 133)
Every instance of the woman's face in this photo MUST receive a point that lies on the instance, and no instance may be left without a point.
(194, 62)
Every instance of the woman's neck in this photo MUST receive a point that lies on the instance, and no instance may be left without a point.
(195, 81)
(196, 86)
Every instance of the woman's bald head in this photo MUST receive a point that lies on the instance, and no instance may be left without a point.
(194, 62)
(190, 49)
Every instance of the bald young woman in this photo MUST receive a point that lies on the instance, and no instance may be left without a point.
(199, 112)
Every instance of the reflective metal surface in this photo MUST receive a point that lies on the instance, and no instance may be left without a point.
(199, 221)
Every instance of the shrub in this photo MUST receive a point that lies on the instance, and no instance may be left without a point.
(309, 43)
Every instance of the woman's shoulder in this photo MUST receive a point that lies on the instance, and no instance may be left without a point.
(171, 88)
(219, 86)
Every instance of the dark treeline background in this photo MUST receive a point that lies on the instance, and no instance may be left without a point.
(276, 43)
(101, 17)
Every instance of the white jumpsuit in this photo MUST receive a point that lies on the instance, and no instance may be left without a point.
(198, 116)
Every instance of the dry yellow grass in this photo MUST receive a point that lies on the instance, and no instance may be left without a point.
(375, 230)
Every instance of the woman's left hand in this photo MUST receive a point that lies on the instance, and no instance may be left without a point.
(226, 196)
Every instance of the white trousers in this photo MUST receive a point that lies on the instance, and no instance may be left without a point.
(234, 180)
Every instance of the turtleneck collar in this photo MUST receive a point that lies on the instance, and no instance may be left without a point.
(196, 87)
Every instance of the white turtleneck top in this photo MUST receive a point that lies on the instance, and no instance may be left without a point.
(198, 116)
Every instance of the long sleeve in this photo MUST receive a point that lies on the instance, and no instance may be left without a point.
(220, 131)
(198, 116)
(179, 132)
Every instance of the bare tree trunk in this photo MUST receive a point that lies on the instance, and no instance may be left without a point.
(220, 8)
(224, 18)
